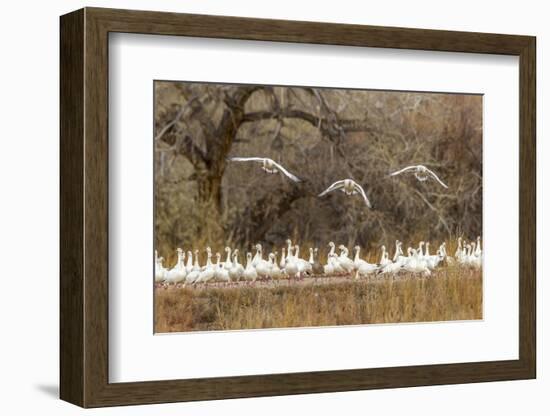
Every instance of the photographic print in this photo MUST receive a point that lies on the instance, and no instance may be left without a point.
(298, 206)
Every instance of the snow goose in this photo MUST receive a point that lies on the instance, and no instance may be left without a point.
(477, 251)
(275, 272)
(349, 187)
(268, 165)
(221, 274)
(227, 264)
(250, 273)
(262, 266)
(160, 271)
(332, 258)
(237, 270)
(330, 268)
(189, 265)
(458, 251)
(177, 274)
(398, 251)
(345, 262)
(384, 258)
(283, 259)
(358, 261)
(207, 272)
(196, 265)
(303, 265)
(432, 261)
(363, 268)
(416, 264)
(291, 265)
(421, 173)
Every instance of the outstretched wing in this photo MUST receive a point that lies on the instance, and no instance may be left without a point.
(245, 159)
(285, 172)
(403, 170)
(335, 185)
(359, 189)
(436, 178)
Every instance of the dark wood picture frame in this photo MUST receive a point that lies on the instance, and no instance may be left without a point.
(84, 207)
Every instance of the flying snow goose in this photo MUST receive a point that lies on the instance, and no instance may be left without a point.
(421, 173)
(268, 165)
(349, 187)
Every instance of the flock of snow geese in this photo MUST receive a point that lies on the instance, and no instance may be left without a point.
(292, 266)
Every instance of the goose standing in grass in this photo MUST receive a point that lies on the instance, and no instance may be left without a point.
(333, 260)
(432, 261)
(262, 266)
(362, 267)
(291, 265)
(268, 165)
(250, 274)
(237, 270)
(196, 265)
(384, 258)
(416, 263)
(473, 260)
(221, 274)
(458, 251)
(177, 274)
(331, 267)
(207, 272)
(189, 265)
(283, 259)
(349, 187)
(397, 251)
(443, 248)
(227, 264)
(160, 271)
(317, 267)
(195, 271)
(421, 172)
(462, 258)
(346, 263)
(477, 251)
(303, 265)
(358, 262)
(275, 272)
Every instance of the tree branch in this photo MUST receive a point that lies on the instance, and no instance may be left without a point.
(347, 125)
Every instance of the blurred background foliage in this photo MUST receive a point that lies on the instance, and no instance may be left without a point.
(321, 135)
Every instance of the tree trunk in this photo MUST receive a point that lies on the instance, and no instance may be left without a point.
(210, 229)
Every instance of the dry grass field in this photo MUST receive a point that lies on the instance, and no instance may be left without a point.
(449, 294)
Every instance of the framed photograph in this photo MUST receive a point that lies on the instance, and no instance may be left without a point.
(256, 207)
